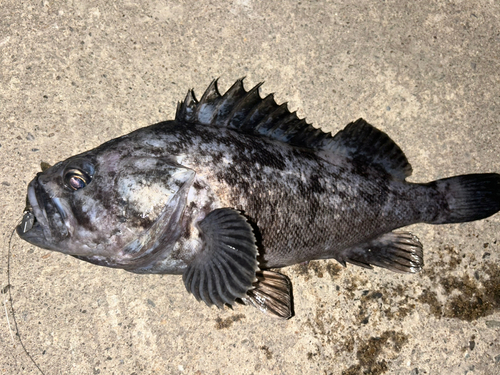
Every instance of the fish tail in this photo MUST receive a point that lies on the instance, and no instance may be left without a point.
(467, 197)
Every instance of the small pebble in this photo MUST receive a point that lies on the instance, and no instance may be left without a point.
(472, 344)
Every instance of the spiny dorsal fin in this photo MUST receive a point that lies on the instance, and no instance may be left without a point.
(246, 112)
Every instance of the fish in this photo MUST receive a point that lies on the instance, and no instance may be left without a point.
(237, 187)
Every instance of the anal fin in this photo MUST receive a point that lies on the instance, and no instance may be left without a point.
(272, 294)
(398, 252)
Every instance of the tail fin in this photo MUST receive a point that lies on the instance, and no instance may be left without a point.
(468, 197)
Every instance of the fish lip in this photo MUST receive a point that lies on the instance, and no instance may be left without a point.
(36, 205)
(40, 231)
(35, 233)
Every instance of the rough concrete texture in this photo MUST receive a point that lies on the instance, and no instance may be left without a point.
(77, 73)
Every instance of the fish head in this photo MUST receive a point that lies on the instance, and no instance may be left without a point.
(111, 207)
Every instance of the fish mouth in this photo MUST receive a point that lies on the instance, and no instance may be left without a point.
(43, 218)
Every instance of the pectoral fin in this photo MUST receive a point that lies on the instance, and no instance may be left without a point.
(225, 268)
(399, 252)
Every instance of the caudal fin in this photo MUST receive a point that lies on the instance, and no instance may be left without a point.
(468, 197)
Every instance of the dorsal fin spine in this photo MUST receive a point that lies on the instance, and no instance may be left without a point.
(259, 112)
(287, 121)
(211, 93)
(186, 108)
(243, 108)
(206, 109)
(254, 97)
(228, 101)
(272, 117)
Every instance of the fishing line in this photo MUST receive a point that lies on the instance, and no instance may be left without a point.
(9, 289)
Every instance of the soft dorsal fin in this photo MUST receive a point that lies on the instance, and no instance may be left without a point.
(246, 112)
(367, 145)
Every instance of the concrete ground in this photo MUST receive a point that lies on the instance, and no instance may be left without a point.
(75, 74)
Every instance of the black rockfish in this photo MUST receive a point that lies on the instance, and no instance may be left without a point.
(237, 185)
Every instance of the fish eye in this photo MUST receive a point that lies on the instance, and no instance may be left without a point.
(78, 174)
(76, 179)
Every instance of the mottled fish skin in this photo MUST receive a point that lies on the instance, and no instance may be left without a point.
(302, 206)
(236, 185)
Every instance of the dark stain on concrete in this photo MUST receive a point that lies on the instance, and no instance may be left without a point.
(315, 268)
(369, 351)
(456, 292)
(267, 352)
(467, 297)
(228, 322)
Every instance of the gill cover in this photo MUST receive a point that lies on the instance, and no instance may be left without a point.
(149, 196)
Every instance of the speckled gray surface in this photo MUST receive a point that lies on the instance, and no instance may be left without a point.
(74, 74)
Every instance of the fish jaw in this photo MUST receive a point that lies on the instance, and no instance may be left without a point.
(39, 228)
